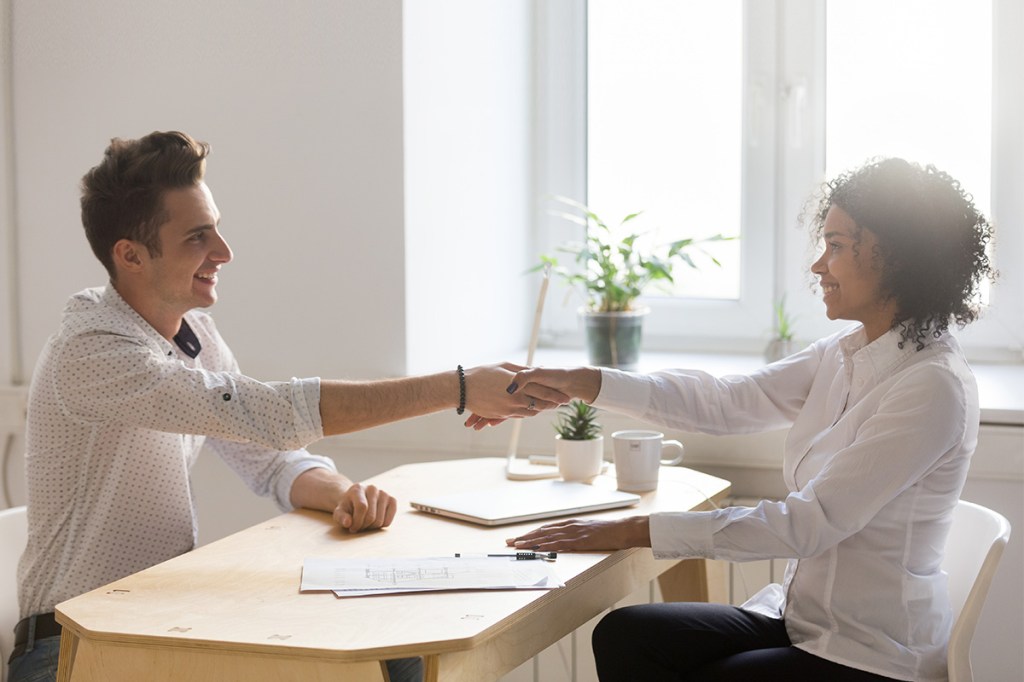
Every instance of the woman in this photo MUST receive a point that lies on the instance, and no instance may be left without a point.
(883, 419)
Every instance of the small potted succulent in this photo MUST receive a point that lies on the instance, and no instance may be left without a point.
(614, 269)
(579, 445)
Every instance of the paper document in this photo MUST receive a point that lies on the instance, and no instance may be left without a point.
(361, 577)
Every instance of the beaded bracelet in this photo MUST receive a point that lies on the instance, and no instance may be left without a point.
(462, 391)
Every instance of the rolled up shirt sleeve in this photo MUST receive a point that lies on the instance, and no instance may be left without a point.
(267, 472)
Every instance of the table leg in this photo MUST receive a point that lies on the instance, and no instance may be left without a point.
(696, 580)
(66, 658)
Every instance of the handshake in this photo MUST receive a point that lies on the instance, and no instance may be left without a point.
(495, 393)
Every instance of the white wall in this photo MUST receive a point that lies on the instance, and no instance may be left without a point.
(370, 159)
(304, 105)
(467, 181)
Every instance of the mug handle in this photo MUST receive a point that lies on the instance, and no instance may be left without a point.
(675, 445)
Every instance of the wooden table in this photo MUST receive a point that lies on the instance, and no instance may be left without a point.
(232, 610)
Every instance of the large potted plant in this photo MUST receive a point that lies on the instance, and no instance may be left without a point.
(613, 267)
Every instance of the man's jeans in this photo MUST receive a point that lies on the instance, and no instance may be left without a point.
(38, 663)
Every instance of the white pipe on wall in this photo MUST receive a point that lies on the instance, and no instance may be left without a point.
(9, 228)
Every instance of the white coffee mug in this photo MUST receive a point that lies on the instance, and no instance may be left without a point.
(579, 460)
(638, 457)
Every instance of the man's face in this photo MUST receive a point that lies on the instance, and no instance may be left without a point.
(184, 276)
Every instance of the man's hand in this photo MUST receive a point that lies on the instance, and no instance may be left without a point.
(365, 508)
(489, 398)
(584, 535)
(355, 506)
(540, 389)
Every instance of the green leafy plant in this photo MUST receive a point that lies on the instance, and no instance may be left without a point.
(612, 267)
(577, 421)
(783, 321)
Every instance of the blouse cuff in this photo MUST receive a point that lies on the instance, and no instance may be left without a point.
(682, 535)
(622, 391)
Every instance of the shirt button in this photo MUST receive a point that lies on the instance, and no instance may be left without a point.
(226, 396)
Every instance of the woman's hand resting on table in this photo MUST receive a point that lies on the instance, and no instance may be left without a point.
(586, 534)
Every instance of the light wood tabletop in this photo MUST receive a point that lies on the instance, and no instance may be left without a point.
(231, 610)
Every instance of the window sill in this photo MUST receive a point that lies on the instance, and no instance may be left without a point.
(999, 385)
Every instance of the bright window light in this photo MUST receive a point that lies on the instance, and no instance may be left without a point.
(911, 79)
(664, 127)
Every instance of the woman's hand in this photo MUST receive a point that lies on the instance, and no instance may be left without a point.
(488, 397)
(579, 382)
(492, 400)
(586, 534)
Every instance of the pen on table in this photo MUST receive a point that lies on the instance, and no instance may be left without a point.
(523, 556)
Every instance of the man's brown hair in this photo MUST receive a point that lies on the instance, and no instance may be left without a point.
(122, 197)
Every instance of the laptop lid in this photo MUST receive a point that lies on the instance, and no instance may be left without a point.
(526, 501)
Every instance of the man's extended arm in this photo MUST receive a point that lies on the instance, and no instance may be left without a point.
(347, 406)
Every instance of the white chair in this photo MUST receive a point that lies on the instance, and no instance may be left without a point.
(973, 549)
(13, 534)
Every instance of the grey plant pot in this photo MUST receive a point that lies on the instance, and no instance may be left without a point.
(614, 339)
(779, 348)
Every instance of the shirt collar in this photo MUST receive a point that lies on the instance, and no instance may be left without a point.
(187, 340)
(113, 299)
(882, 355)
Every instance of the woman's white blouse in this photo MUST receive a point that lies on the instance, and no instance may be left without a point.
(880, 440)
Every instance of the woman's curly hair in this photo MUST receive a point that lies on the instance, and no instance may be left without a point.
(931, 241)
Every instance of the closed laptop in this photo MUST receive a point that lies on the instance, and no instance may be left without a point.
(524, 501)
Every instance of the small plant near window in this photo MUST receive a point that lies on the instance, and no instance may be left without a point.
(613, 269)
(614, 266)
(783, 321)
(782, 343)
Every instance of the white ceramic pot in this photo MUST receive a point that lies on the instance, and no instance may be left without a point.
(579, 460)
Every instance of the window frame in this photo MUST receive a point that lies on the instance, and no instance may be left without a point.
(783, 164)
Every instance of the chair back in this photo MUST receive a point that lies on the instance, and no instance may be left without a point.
(13, 534)
(973, 550)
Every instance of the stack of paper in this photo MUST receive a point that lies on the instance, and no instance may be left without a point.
(362, 577)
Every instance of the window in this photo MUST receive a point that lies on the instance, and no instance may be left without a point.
(939, 80)
(664, 117)
(714, 114)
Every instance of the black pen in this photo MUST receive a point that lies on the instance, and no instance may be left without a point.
(524, 556)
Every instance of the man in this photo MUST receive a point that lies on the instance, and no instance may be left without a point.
(137, 380)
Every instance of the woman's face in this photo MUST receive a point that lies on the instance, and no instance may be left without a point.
(850, 273)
